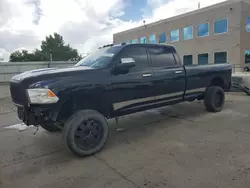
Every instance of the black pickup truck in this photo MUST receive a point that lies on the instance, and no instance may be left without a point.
(113, 81)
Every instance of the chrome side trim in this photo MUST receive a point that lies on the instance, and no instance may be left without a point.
(157, 102)
(126, 103)
(147, 99)
(18, 105)
(203, 89)
(169, 95)
(122, 104)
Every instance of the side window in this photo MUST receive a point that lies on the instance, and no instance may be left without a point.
(248, 24)
(247, 56)
(187, 59)
(202, 59)
(162, 38)
(220, 26)
(143, 40)
(220, 57)
(138, 53)
(203, 30)
(161, 56)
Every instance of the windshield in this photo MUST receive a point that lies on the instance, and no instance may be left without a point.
(100, 58)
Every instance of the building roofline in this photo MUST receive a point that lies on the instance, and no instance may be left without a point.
(228, 2)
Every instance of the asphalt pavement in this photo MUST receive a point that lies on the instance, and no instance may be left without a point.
(180, 146)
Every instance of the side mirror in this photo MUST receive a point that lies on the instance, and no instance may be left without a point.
(126, 63)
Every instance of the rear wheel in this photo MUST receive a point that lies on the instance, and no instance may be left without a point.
(214, 99)
(86, 132)
(50, 127)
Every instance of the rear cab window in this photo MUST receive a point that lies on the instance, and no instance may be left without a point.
(161, 56)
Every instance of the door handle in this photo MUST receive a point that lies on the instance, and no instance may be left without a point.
(147, 75)
(178, 72)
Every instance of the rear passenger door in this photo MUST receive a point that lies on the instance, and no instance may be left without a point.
(134, 89)
(169, 77)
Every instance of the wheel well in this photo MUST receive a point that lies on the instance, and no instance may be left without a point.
(70, 106)
(218, 81)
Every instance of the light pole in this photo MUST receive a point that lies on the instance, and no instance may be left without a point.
(50, 58)
(144, 23)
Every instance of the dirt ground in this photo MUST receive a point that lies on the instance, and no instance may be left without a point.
(180, 146)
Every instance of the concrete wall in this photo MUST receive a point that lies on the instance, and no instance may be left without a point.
(9, 69)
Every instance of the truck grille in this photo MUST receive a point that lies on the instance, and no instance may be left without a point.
(17, 93)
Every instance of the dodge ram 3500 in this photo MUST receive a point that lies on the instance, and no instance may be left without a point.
(113, 81)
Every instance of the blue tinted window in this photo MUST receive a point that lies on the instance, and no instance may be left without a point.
(203, 30)
(188, 33)
(187, 59)
(143, 40)
(134, 41)
(162, 38)
(248, 24)
(174, 35)
(220, 57)
(247, 56)
(220, 26)
(152, 39)
(203, 59)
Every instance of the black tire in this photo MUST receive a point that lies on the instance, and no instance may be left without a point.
(86, 132)
(50, 127)
(214, 99)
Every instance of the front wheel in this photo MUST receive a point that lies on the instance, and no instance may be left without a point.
(86, 132)
(214, 99)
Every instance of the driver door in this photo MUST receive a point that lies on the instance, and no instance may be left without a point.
(132, 89)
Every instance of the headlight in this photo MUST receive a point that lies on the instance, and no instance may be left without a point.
(41, 96)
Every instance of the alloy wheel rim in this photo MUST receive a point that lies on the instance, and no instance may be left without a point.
(88, 134)
(218, 100)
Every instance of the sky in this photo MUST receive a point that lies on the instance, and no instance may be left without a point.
(84, 24)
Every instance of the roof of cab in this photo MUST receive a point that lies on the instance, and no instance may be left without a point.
(135, 44)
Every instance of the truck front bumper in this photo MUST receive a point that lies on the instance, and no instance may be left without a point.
(35, 115)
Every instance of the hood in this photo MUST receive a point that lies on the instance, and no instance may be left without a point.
(48, 71)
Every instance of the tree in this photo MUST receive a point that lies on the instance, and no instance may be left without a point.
(54, 45)
(16, 56)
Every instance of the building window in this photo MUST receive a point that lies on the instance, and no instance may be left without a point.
(188, 33)
(143, 40)
(247, 56)
(248, 24)
(152, 39)
(162, 38)
(203, 30)
(220, 57)
(220, 26)
(134, 41)
(174, 35)
(202, 59)
(187, 59)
